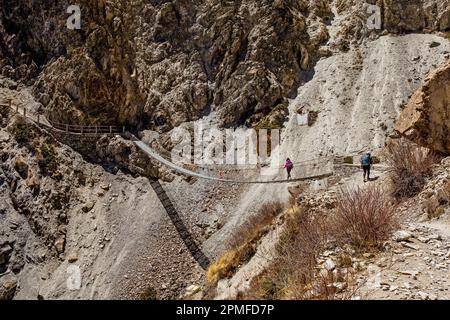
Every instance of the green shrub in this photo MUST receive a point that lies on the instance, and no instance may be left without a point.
(23, 133)
(348, 160)
(48, 158)
(268, 125)
(149, 294)
(275, 118)
(270, 289)
(279, 107)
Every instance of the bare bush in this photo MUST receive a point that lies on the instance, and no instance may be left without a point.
(300, 244)
(294, 270)
(410, 165)
(364, 218)
(294, 274)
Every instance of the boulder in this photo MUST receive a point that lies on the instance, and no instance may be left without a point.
(73, 257)
(329, 265)
(60, 244)
(21, 167)
(401, 235)
(426, 118)
(88, 206)
(8, 285)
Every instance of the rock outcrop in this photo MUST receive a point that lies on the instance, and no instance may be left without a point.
(415, 15)
(396, 17)
(160, 65)
(426, 118)
(124, 155)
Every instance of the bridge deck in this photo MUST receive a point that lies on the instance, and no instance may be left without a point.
(154, 155)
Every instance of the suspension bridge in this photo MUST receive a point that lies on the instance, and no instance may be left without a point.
(100, 130)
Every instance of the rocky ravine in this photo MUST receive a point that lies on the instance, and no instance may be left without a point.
(80, 215)
(156, 65)
(162, 63)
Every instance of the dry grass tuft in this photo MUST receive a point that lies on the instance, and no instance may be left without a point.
(244, 243)
(256, 223)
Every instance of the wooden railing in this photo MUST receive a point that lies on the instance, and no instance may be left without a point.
(90, 129)
(68, 128)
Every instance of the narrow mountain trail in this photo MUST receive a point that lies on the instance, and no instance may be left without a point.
(415, 263)
(414, 267)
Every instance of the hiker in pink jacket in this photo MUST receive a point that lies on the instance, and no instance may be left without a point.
(288, 165)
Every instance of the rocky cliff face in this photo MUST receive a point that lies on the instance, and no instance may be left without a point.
(59, 213)
(426, 118)
(407, 15)
(414, 15)
(37, 187)
(157, 64)
(162, 63)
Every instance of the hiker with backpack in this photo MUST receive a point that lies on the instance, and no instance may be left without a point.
(366, 163)
(288, 165)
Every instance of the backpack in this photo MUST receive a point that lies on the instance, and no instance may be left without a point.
(365, 161)
(290, 165)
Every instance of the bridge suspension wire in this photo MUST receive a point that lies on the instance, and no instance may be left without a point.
(249, 167)
(156, 156)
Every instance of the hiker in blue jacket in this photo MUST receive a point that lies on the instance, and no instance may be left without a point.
(366, 163)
